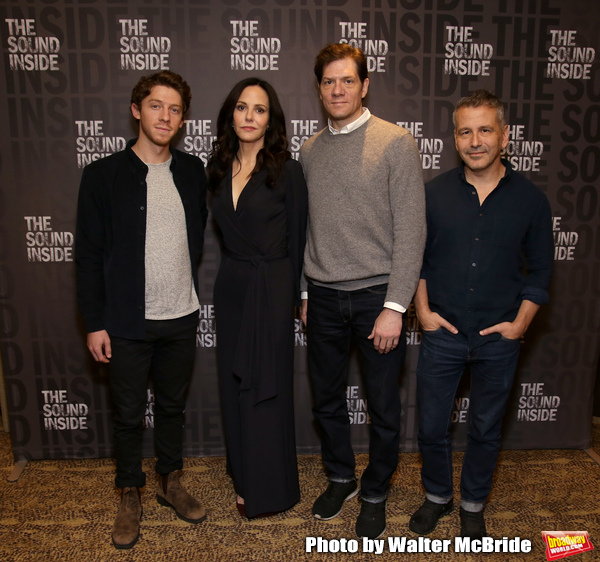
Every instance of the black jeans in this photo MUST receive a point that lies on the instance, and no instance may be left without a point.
(334, 319)
(166, 356)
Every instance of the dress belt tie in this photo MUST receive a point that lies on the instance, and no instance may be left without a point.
(254, 363)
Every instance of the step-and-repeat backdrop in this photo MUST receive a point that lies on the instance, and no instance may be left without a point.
(67, 72)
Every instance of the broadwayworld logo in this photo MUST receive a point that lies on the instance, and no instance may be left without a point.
(560, 544)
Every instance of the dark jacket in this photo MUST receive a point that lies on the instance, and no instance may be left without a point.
(111, 236)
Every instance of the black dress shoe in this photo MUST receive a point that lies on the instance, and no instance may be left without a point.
(329, 504)
(472, 524)
(371, 520)
(426, 517)
(241, 508)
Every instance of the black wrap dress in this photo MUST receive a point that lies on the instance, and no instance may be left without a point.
(255, 292)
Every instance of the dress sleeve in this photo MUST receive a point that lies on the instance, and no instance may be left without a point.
(296, 204)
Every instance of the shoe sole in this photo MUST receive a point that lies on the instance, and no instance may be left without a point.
(126, 546)
(164, 502)
(373, 538)
(320, 518)
(430, 530)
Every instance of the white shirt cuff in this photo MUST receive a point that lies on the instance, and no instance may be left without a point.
(394, 306)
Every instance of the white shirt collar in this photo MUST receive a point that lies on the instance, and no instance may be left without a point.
(351, 126)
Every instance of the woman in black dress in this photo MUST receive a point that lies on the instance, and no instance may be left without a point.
(259, 203)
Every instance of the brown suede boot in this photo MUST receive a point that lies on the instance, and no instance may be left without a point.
(126, 528)
(172, 494)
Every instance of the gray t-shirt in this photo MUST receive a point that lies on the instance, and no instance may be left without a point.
(169, 284)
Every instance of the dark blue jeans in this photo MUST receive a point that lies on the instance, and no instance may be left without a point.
(442, 361)
(335, 318)
(166, 356)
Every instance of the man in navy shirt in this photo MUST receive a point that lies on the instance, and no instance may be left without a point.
(486, 271)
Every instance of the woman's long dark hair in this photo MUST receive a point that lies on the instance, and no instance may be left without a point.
(271, 156)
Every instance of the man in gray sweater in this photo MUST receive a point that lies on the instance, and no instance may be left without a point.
(366, 237)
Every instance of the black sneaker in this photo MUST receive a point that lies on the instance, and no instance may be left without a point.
(425, 519)
(329, 503)
(472, 524)
(371, 520)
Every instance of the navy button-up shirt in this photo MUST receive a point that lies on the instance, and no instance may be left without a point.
(482, 261)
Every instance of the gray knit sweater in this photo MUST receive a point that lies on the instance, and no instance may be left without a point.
(366, 209)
